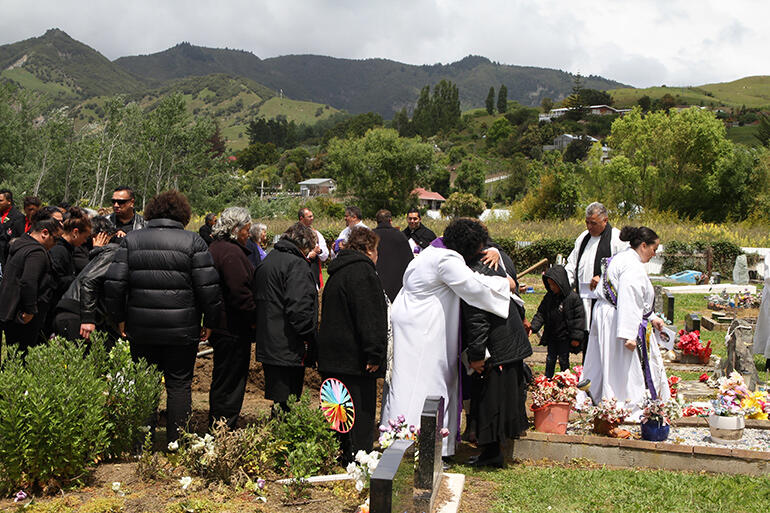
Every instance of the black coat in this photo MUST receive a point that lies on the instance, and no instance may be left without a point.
(62, 267)
(85, 295)
(505, 339)
(160, 283)
(205, 233)
(354, 318)
(562, 315)
(10, 228)
(236, 278)
(394, 256)
(27, 283)
(423, 235)
(287, 308)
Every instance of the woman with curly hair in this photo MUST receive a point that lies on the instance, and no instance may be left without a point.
(426, 323)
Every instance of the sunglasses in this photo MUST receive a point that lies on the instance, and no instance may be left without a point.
(120, 201)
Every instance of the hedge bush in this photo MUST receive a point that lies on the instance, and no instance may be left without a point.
(679, 256)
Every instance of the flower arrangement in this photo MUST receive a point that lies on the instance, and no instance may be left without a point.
(610, 411)
(743, 299)
(732, 393)
(362, 469)
(673, 385)
(695, 411)
(756, 405)
(396, 430)
(689, 343)
(562, 388)
(660, 411)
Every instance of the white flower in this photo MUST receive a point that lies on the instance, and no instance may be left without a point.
(173, 446)
(372, 464)
(116, 486)
(185, 482)
(359, 486)
(144, 429)
(351, 468)
(361, 456)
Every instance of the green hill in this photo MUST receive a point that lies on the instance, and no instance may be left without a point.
(63, 68)
(752, 92)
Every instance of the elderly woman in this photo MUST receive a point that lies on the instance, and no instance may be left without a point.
(232, 337)
(287, 314)
(353, 338)
(620, 362)
(256, 242)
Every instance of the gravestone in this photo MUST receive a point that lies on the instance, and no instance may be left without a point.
(657, 304)
(739, 341)
(391, 487)
(427, 478)
(741, 270)
(692, 322)
(664, 303)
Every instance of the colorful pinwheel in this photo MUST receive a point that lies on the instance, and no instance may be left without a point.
(337, 405)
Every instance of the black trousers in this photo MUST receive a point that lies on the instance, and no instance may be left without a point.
(363, 392)
(282, 382)
(67, 325)
(552, 356)
(177, 364)
(26, 335)
(228, 378)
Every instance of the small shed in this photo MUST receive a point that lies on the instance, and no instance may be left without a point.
(316, 186)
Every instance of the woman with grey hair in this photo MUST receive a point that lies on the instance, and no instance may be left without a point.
(287, 314)
(232, 338)
(256, 243)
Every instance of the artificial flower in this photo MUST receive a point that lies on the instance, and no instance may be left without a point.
(185, 482)
(703, 378)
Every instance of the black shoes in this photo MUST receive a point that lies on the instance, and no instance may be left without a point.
(481, 460)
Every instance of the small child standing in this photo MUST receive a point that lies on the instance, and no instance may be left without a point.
(562, 315)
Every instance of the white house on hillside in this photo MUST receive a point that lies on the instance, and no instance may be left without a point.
(316, 186)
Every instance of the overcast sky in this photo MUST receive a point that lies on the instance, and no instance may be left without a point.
(642, 43)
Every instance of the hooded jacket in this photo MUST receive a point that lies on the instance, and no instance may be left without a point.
(505, 339)
(561, 315)
(27, 284)
(160, 283)
(354, 318)
(287, 308)
(10, 228)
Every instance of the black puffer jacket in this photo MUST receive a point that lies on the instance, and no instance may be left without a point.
(62, 267)
(561, 314)
(505, 339)
(287, 308)
(85, 296)
(160, 283)
(354, 318)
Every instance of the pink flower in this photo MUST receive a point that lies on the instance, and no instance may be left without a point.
(20, 496)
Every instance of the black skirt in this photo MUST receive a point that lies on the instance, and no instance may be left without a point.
(501, 412)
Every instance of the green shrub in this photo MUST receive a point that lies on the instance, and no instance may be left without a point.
(527, 255)
(679, 256)
(461, 204)
(52, 416)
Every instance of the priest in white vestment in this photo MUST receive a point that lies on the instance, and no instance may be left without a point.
(599, 241)
(626, 298)
(762, 333)
(426, 325)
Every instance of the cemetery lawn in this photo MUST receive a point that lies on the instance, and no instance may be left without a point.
(582, 486)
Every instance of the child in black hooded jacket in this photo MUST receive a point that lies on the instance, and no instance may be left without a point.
(562, 315)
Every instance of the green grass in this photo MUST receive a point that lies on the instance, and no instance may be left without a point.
(526, 488)
(295, 110)
(29, 81)
(744, 135)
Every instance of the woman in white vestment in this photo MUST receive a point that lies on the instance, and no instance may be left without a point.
(620, 332)
(762, 333)
(426, 324)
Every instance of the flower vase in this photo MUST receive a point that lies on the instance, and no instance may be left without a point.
(726, 429)
(552, 418)
(604, 427)
(655, 431)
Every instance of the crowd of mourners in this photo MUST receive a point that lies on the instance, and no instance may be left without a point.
(431, 316)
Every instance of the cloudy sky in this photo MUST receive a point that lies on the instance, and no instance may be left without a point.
(642, 43)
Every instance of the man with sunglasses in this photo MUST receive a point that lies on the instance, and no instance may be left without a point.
(124, 217)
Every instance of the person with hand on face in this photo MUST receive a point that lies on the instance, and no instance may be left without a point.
(11, 224)
(124, 217)
(27, 285)
(620, 362)
(161, 282)
(583, 267)
(419, 235)
(320, 253)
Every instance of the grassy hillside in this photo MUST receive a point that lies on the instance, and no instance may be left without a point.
(753, 92)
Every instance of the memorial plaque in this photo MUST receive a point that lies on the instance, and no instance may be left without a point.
(692, 322)
(391, 487)
(668, 306)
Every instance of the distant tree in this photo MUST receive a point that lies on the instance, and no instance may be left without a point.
(446, 105)
(424, 119)
(461, 204)
(354, 126)
(500, 129)
(502, 99)
(575, 102)
(470, 177)
(546, 104)
(402, 124)
(644, 102)
(217, 144)
(257, 154)
(577, 150)
(595, 97)
(667, 102)
(763, 130)
(491, 101)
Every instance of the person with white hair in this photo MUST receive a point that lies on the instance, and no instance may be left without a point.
(234, 332)
(256, 243)
(584, 263)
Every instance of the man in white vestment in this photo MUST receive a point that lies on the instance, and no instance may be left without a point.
(426, 324)
(353, 218)
(583, 267)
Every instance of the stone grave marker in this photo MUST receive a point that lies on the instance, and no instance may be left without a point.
(741, 270)
(739, 341)
(692, 322)
(427, 478)
(391, 487)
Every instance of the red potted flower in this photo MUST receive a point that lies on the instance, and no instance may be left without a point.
(552, 401)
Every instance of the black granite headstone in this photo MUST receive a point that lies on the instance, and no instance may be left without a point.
(391, 487)
(692, 322)
(429, 442)
(668, 306)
